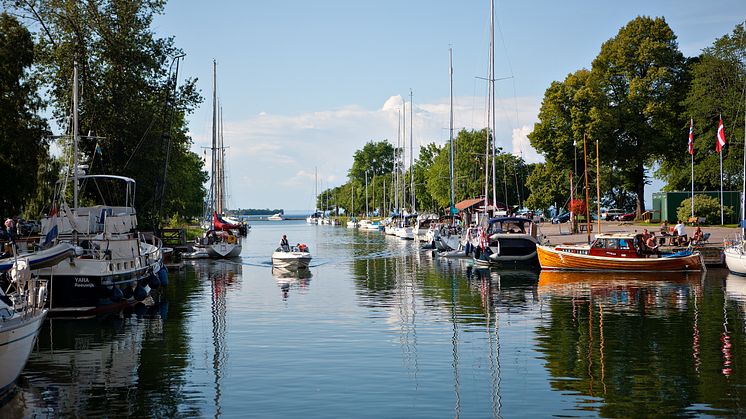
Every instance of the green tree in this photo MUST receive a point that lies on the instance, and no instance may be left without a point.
(549, 186)
(642, 76)
(469, 161)
(127, 102)
(23, 134)
(718, 77)
(376, 158)
(704, 206)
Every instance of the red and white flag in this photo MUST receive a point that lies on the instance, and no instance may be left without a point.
(691, 137)
(721, 136)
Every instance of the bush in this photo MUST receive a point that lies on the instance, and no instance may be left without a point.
(704, 206)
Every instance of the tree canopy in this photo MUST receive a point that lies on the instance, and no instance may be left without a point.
(23, 134)
(132, 120)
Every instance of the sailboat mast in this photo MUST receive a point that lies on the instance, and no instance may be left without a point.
(75, 136)
(492, 93)
(221, 162)
(397, 151)
(213, 162)
(404, 157)
(598, 190)
(411, 152)
(450, 129)
(743, 189)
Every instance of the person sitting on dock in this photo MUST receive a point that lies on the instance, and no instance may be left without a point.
(679, 230)
(698, 236)
(284, 243)
(664, 228)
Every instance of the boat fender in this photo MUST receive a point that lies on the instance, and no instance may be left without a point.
(140, 293)
(127, 292)
(154, 281)
(163, 276)
(116, 294)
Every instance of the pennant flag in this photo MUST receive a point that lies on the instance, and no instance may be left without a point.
(691, 137)
(721, 136)
(98, 150)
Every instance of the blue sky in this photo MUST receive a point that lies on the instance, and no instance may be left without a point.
(304, 84)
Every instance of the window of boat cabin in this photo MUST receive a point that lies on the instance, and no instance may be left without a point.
(507, 227)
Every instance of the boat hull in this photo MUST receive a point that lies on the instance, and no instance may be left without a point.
(223, 250)
(552, 259)
(291, 260)
(94, 283)
(735, 260)
(17, 337)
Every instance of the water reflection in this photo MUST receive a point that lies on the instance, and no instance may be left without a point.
(91, 364)
(291, 278)
(223, 276)
(639, 344)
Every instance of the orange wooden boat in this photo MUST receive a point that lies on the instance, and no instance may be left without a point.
(617, 253)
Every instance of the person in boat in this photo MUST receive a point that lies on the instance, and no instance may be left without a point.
(10, 229)
(302, 247)
(284, 243)
(698, 235)
(645, 235)
(651, 245)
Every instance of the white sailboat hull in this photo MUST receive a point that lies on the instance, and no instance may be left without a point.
(17, 337)
(735, 259)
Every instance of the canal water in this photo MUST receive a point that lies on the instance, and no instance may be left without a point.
(379, 328)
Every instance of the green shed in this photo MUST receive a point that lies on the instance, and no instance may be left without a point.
(666, 203)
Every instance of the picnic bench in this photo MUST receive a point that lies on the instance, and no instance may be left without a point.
(584, 227)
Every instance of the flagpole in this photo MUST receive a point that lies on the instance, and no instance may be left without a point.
(691, 152)
(720, 143)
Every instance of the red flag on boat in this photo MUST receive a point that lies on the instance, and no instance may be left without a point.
(691, 136)
(721, 136)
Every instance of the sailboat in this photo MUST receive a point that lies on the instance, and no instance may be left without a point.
(24, 312)
(735, 254)
(352, 223)
(222, 239)
(114, 265)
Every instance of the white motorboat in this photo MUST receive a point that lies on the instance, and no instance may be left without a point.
(510, 239)
(295, 257)
(370, 225)
(22, 312)
(276, 217)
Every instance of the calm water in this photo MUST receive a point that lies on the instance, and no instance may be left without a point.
(381, 329)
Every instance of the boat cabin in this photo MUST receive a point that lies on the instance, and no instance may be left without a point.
(511, 225)
(620, 245)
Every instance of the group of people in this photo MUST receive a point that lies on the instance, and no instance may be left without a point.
(678, 234)
(285, 246)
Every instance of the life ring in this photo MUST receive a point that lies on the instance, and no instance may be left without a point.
(231, 239)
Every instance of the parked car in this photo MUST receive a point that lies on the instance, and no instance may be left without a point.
(611, 214)
(562, 218)
(630, 216)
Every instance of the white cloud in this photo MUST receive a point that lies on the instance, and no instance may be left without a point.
(522, 146)
(273, 158)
